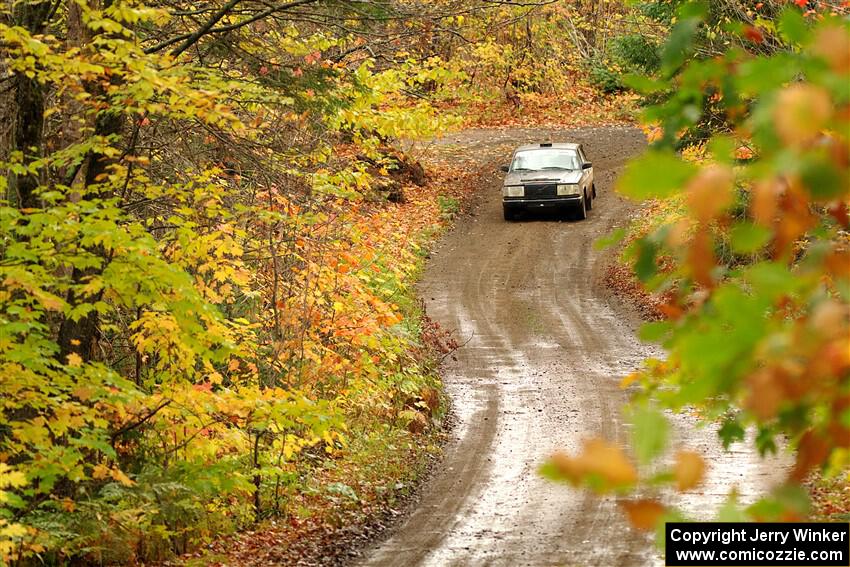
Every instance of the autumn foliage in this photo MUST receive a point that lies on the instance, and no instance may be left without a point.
(205, 297)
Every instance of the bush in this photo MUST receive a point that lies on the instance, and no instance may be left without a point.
(636, 53)
(604, 77)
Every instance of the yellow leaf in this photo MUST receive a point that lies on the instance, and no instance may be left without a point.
(49, 301)
(74, 360)
(119, 476)
(100, 471)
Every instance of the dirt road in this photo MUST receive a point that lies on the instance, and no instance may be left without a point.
(547, 347)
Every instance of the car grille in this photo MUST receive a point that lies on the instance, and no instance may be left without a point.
(541, 191)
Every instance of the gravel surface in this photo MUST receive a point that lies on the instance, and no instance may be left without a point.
(547, 347)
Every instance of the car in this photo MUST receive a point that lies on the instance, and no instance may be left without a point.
(548, 175)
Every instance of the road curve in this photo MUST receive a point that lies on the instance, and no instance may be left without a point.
(540, 371)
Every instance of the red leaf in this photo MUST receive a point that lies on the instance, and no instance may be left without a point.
(753, 34)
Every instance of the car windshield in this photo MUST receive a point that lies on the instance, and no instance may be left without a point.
(537, 160)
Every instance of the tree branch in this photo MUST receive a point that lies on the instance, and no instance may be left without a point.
(189, 39)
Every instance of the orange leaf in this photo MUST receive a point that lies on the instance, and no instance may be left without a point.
(701, 258)
(710, 192)
(643, 514)
(599, 460)
(689, 470)
(766, 392)
(812, 451)
(838, 264)
(838, 211)
(610, 462)
(797, 218)
(764, 201)
(833, 44)
(801, 111)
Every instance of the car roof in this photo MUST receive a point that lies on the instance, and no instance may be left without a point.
(548, 145)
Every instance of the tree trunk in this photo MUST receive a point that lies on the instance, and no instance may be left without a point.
(29, 122)
(81, 336)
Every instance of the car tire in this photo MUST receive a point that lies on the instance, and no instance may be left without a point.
(589, 201)
(593, 189)
(581, 210)
(510, 213)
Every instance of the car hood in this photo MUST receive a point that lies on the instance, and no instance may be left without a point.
(550, 176)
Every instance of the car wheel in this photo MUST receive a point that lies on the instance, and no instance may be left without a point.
(581, 210)
(593, 189)
(589, 201)
(510, 213)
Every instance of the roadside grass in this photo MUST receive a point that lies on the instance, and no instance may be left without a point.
(342, 505)
(449, 207)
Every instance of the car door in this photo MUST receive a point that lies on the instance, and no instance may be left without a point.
(586, 174)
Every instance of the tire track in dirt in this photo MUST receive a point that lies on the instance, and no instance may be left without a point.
(547, 348)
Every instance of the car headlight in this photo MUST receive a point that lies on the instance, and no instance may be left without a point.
(569, 189)
(513, 191)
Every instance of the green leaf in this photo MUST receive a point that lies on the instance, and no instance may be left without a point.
(770, 280)
(679, 45)
(645, 264)
(649, 433)
(611, 239)
(657, 174)
(820, 176)
(696, 9)
(550, 471)
(644, 84)
(747, 238)
(781, 500)
(730, 432)
(672, 515)
(655, 332)
(731, 511)
(722, 148)
(765, 441)
(763, 75)
(792, 26)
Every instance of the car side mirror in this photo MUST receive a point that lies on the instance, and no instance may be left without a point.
(505, 168)
(587, 165)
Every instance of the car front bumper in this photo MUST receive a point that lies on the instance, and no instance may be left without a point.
(522, 202)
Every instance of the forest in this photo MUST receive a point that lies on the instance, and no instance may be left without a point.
(213, 217)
